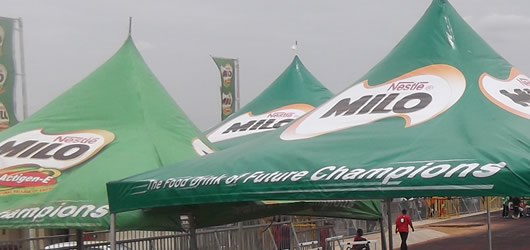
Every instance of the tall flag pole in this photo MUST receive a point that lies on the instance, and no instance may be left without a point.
(236, 62)
(229, 70)
(22, 71)
(7, 73)
(23, 87)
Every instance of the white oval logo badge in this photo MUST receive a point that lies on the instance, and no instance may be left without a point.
(512, 94)
(57, 151)
(417, 96)
(247, 124)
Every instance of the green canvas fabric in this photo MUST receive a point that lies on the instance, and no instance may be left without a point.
(121, 103)
(295, 92)
(442, 115)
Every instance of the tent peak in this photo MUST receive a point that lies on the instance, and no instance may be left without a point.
(296, 60)
(441, 3)
(297, 63)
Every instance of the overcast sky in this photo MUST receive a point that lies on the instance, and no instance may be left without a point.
(339, 40)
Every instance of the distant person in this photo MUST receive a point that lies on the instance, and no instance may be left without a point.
(505, 206)
(516, 203)
(527, 208)
(324, 233)
(403, 222)
(358, 237)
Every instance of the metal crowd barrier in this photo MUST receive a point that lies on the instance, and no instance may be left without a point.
(339, 241)
(289, 234)
(276, 235)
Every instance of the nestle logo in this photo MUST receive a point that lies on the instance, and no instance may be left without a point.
(404, 86)
(524, 81)
(281, 115)
(76, 139)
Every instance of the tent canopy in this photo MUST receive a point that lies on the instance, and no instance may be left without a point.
(116, 122)
(443, 114)
(295, 92)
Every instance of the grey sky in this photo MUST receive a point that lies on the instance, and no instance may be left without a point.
(339, 40)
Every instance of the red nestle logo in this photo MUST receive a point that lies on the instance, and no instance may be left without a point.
(76, 139)
(281, 115)
(524, 81)
(403, 86)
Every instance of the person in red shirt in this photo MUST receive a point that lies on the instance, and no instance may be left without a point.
(359, 237)
(403, 222)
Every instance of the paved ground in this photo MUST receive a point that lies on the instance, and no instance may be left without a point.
(422, 234)
(470, 233)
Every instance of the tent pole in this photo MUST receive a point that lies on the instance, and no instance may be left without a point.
(79, 239)
(237, 106)
(112, 236)
(32, 233)
(489, 221)
(389, 222)
(193, 235)
(23, 72)
(383, 238)
(240, 235)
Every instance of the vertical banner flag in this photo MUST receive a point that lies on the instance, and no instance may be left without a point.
(228, 68)
(7, 74)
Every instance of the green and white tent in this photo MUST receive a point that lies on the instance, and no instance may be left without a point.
(117, 122)
(295, 92)
(442, 114)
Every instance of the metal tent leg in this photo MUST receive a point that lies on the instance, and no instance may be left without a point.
(240, 235)
(79, 239)
(383, 238)
(389, 222)
(112, 236)
(489, 221)
(193, 235)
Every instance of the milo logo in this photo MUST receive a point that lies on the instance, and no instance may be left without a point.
(3, 77)
(226, 102)
(247, 124)
(417, 97)
(227, 73)
(512, 94)
(33, 159)
(57, 151)
(4, 117)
